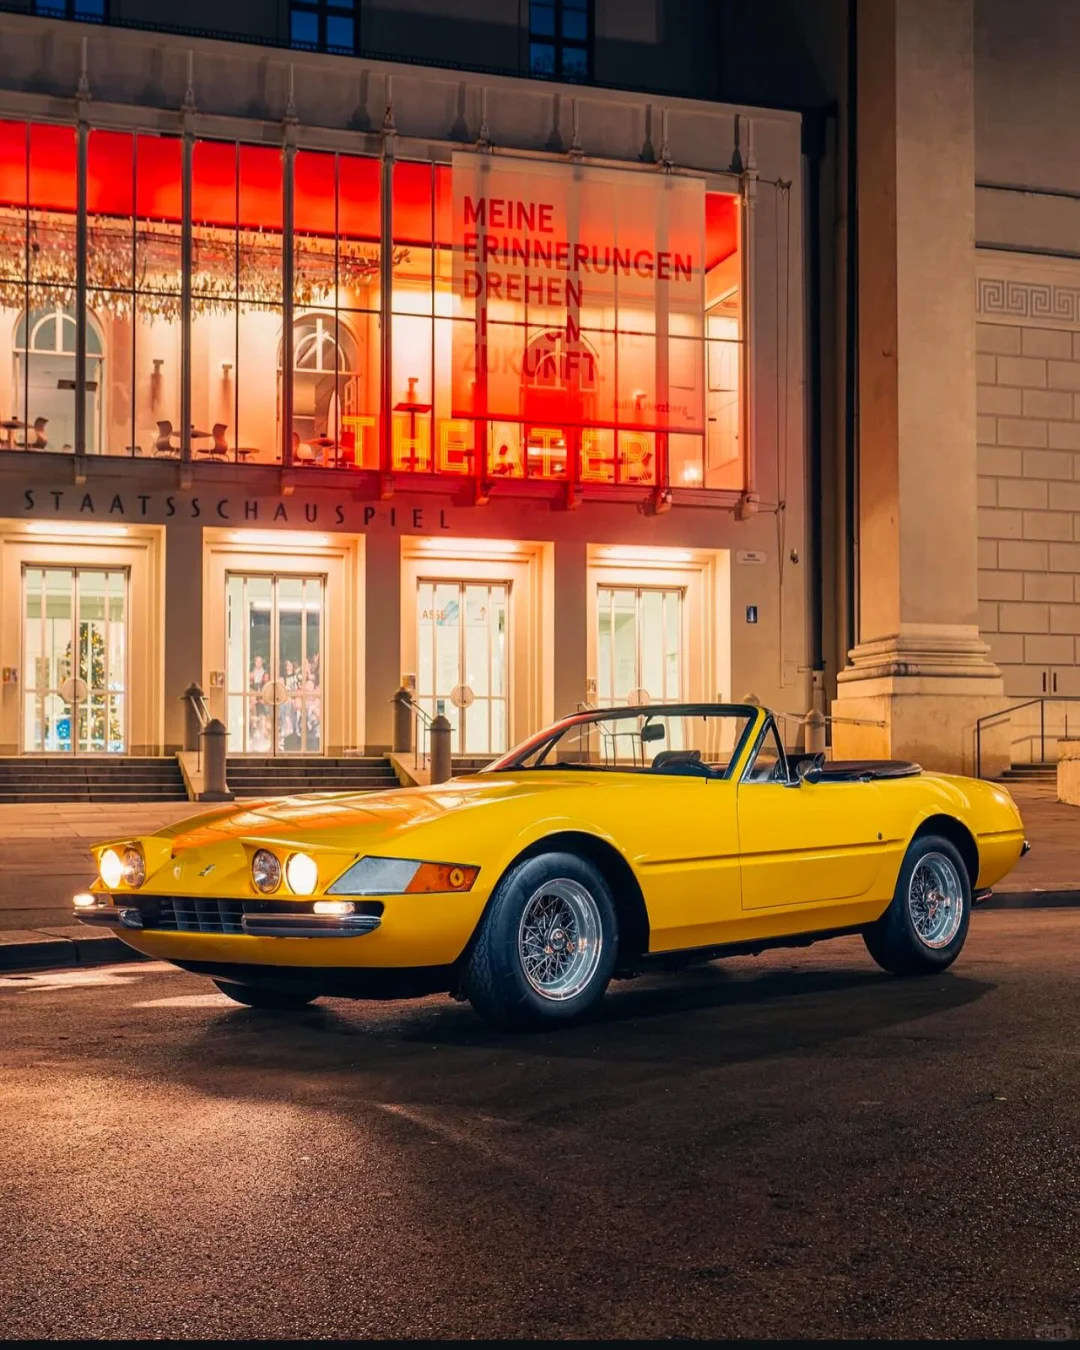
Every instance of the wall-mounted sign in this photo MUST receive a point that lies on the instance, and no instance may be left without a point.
(10, 675)
(211, 509)
(409, 682)
(751, 613)
(217, 679)
(756, 556)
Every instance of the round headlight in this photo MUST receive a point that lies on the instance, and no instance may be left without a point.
(266, 871)
(133, 867)
(302, 874)
(111, 868)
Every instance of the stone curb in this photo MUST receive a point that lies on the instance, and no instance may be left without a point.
(1031, 900)
(48, 948)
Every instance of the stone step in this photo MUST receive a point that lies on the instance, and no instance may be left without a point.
(296, 775)
(76, 795)
(84, 779)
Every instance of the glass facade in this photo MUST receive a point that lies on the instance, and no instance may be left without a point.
(524, 320)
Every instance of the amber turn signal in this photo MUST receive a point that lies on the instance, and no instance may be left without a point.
(441, 877)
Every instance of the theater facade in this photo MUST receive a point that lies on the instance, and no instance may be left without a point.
(312, 385)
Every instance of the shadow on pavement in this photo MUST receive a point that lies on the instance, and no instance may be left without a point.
(674, 1024)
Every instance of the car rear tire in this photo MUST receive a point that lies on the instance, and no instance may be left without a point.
(265, 996)
(926, 924)
(545, 949)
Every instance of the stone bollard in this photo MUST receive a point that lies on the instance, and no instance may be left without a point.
(440, 749)
(403, 722)
(814, 732)
(192, 725)
(214, 741)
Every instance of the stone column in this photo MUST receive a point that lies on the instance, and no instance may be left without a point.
(921, 669)
(571, 626)
(382, 638)
(183, 585)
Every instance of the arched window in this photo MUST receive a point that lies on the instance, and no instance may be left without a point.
(45, 345)
(326, 368)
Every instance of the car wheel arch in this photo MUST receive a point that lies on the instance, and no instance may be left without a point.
(958, 834)
(626, 892)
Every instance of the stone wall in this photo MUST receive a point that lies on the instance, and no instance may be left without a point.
(1028, 372)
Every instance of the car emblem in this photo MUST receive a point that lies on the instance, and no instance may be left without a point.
(207, 869)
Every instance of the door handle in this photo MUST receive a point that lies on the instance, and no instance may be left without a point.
(1055, 681)
(1044, 681)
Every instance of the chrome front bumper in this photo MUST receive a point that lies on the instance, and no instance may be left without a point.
(254, 925)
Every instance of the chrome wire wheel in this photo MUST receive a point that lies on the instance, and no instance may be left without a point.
(935, 900)
(560, 939)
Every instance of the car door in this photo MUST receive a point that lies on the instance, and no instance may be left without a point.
(680, 834)
(804, 843)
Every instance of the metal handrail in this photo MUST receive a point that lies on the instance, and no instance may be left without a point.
(422, 721)
(202, 709)
(989, 719)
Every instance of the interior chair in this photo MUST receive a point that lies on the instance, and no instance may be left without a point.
(163, 445)
(220, 447)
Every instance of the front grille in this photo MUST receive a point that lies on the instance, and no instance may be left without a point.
(184, 914)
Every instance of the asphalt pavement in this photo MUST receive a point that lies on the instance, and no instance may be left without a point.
(792, 1145)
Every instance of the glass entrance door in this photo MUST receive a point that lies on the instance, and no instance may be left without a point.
(639, 645)
(74, 661)
(274, 664)
(462, 660)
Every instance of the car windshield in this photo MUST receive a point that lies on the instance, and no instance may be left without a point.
(682, 740)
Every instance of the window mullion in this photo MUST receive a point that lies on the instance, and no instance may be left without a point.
(82, 144)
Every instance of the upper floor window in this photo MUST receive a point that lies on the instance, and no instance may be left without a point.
(88, 11)
(560, 39)
(323, 25)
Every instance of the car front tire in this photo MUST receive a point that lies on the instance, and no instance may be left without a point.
(926, 924)
(545, 949)
(265, 996)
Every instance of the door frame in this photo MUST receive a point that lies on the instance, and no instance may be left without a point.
(274, 577)
(704, 577)
(508, 660)
(284, 552)
(25, 690)
(684, 635)
(138, 548)
(526, 569)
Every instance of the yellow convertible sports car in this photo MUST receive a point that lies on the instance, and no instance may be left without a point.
(614, 841)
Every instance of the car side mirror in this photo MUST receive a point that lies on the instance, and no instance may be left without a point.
(812, 775)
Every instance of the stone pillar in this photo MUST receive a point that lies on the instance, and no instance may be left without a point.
(921, 668)
(382, 638)
(183, 627)
(571, 626)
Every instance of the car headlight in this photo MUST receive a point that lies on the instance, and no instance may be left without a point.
(111, 869)
(265, 871)
(402, 876)
(302, 873)
(133, 867)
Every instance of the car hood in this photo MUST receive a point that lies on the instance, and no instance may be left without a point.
(346, 820)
